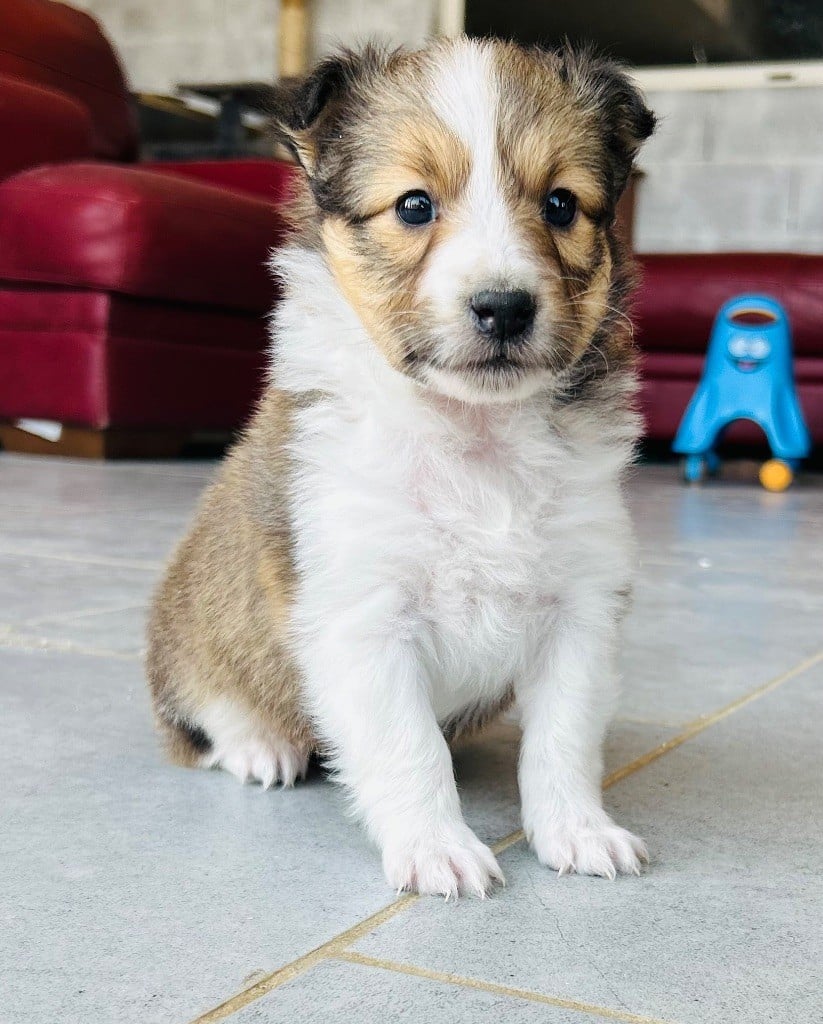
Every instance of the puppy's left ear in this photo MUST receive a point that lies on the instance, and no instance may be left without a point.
(306, 114)
(627, 122)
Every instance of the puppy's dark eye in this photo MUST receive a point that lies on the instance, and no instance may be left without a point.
(415, 208)
(560, 208)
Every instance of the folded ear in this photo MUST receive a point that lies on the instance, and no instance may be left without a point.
(305, 113)
(603, 85)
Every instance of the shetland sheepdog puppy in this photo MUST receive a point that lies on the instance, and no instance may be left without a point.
(423, 523)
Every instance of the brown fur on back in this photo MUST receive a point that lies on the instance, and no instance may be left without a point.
(219, 620)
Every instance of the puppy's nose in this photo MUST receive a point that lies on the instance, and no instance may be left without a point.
(503, 315)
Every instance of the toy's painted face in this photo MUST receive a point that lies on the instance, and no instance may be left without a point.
(749, 353)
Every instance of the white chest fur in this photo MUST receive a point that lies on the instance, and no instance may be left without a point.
(457, 529)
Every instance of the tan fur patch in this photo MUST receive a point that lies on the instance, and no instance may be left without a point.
(218, 621)
(378, 263)
(545, 140)
(385, 310)
(420, 153)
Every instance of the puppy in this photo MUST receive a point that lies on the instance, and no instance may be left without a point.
(423, 523)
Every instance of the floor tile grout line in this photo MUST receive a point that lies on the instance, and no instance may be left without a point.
(339, 944)
(112, 563)
(703, 722)
(13, 641)
(353, 957)
(659, 723)
(295, 968)
(83, 613)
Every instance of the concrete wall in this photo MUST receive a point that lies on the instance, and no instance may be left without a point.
(163, 43)
(352, 21)
(740, 169)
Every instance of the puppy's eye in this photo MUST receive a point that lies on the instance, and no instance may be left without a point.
(415, 208)
(560, 208)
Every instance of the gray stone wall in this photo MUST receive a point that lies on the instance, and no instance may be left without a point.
(353, 21)
(163, 43)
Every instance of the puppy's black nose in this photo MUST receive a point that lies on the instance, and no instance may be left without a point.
(503, 315)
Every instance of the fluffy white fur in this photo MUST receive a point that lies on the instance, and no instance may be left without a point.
(243, 746)
(449, 547)
(445, 551)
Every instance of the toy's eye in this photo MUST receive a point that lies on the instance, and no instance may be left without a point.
(415, 208)
(560, 208)
(738, 348)
(759, 348)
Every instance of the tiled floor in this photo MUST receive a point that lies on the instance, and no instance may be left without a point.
(134, 892)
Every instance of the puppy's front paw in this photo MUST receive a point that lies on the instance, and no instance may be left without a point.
(588, 847)
(442, 864)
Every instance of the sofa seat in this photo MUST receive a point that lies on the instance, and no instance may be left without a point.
(272, 180)
(137, 232)
(98, 359)
(133, 297)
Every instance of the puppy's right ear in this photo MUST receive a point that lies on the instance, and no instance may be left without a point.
(306, 113)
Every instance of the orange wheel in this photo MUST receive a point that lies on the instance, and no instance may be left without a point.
(776, 475)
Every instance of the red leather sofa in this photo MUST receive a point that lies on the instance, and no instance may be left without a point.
(132, 296)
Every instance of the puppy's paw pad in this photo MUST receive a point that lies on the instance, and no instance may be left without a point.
(267, 761)
(601, 848)
(437, 865)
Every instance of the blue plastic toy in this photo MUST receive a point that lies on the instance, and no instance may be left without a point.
(748, 375)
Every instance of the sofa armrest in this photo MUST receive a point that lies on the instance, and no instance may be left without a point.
(39, 125)
(267, 179)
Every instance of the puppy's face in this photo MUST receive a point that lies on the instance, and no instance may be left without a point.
(464, 197)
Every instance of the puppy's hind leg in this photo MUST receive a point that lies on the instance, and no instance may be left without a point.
(186, 743)
(225, 735)
(245, 718)
(252, 749)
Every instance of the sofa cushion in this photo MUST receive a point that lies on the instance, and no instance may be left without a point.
(94, 359)
(32, 309)
(54, 45)
(266, 178)
(680, 295)
(139, 233)
(40, 125)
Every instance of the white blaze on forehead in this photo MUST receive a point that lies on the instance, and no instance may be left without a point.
(485, 250)
(465, 97)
